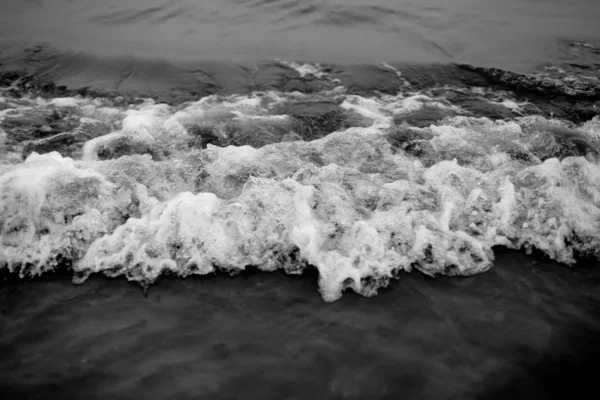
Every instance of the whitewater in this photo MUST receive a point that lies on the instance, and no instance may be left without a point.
(347, 184)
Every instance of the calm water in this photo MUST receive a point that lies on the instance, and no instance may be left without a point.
(513, 34)
(525, 330)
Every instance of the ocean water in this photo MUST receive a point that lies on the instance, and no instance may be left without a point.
(509, 34)
(274, 199)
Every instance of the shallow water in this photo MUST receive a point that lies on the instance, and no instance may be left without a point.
(511, 34)
(526, 329)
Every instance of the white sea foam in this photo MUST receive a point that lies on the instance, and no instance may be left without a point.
(64, 102)
(510, 104)
(306, 69)
(360, 204)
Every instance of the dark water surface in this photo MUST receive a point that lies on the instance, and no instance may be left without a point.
(526, 329)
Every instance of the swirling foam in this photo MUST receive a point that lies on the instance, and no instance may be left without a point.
(147, 193)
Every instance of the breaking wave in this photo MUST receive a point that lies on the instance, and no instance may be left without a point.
(361, 187)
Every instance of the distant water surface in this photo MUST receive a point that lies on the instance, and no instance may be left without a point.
(511, 34)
